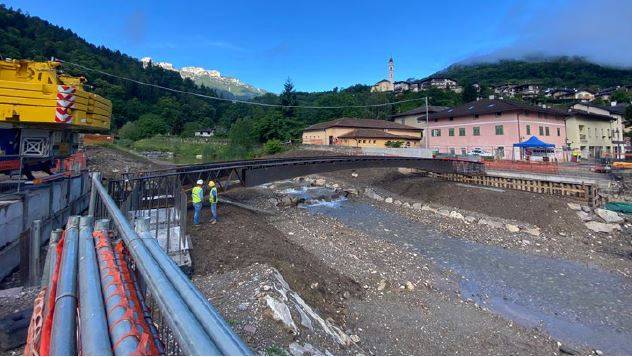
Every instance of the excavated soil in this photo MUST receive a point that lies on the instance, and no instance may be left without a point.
(112, 162)
(547, 212)
(245, 238)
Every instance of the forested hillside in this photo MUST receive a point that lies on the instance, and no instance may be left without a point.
(155, 111)
(554, 72)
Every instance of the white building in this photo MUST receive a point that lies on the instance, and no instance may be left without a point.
(205, 133)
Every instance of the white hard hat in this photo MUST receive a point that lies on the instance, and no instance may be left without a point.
(200, 182)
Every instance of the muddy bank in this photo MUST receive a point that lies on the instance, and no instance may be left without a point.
(547, 212)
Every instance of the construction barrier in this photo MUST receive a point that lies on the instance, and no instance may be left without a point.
(524, 166)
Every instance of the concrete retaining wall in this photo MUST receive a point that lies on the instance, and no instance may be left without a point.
(52, 203)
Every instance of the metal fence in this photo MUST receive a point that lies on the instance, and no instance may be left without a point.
(186, 322)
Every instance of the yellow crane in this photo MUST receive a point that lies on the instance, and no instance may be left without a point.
(42, 113)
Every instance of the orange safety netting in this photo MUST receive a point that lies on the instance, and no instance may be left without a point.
(49, 304)
(133, 294)
(72, 164)
(35, 327)
(132, 316)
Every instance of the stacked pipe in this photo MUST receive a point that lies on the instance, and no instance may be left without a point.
(195, 324)
(92, 303)
(89, 302)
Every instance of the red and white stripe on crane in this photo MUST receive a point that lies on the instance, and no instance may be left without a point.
(65, 103)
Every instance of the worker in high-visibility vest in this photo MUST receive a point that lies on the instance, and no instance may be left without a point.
(197, 195)
(213, 198)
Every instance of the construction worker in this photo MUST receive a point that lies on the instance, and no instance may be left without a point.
(212, 198)
(197, 195)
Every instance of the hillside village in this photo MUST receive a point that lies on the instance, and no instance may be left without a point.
(579, 123)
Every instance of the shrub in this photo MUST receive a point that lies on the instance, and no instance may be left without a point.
(273, 146)
(394, 144)
(130, 131)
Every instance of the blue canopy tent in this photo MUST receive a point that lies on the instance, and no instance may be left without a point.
(533, 142)
(535, 145)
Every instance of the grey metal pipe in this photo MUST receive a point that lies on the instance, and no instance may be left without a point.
(51, 258)
(224, 337)
(35, 251)
(185, 327)
(95, 338)
(93, 194)
(64, 332)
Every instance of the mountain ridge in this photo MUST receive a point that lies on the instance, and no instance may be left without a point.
(229, 87)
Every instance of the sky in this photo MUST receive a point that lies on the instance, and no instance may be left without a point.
(324, 44)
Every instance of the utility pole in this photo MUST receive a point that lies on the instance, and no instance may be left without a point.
(427, 124)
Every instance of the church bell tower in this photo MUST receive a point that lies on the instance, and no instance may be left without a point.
(391, 68)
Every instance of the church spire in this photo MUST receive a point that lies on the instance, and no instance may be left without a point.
(391, 69)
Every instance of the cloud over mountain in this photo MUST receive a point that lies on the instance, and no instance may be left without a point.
(600, 31)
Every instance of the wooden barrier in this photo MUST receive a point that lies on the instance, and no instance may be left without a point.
(586, 192)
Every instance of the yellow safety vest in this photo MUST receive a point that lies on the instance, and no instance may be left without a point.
(213, 197)
(196, 194)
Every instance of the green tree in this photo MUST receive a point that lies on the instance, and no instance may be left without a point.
(169, 109)
(628, 117)
(274, 126)
(151, 124)
(242, 134)
(288, 98)
(469, 93)
(273, 146)
(621, 96)
(130, 131)
(189, 129)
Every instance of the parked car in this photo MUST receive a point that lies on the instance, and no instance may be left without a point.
(480, 152)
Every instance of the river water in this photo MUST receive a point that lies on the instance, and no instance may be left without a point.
(575, 303)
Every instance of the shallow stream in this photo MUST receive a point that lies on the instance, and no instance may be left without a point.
(575, 303)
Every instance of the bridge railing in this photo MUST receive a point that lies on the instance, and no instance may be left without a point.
(186, 322)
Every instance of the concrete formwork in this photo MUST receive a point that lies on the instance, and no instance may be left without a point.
(165, 225)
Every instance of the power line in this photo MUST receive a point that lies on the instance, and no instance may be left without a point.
(233, 100)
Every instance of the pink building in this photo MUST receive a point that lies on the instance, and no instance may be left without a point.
(494, 125)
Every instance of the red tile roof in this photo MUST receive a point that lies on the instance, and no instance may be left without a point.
(360, 123)
(376, 134)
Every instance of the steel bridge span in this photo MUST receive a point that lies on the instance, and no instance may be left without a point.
(256, 172)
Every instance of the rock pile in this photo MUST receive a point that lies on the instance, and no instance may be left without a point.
(598, 220)
(453, 214)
